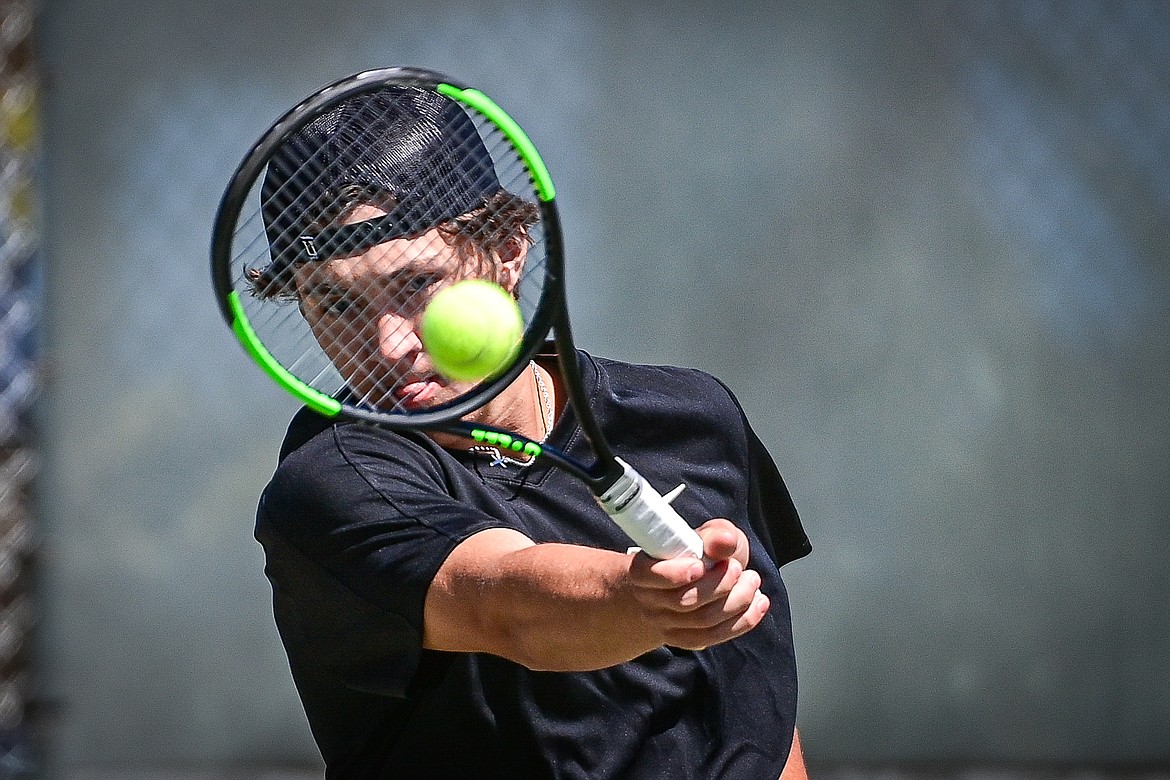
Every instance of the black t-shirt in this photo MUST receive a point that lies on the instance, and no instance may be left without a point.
(357, 520)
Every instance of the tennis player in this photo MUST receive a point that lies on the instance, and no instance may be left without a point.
(451, 611)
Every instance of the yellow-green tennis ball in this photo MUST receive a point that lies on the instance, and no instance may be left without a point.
(472, 330)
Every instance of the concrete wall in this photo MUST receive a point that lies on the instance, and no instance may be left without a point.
(924, 242)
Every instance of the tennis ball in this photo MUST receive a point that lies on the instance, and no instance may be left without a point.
(471, 330)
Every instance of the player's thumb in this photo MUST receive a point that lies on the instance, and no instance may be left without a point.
(721, 539)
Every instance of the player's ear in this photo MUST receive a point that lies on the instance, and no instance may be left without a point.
(511, 258)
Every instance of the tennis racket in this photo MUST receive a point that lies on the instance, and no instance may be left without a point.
(347, 216)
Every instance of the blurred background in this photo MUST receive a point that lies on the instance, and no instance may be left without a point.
(924, 241)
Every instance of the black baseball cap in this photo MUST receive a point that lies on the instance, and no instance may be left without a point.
(414, 147)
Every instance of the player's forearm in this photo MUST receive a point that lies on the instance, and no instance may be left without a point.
(553, 607)
(573, 608)
(566, 607)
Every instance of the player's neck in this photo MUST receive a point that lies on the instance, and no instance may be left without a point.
(528, 406)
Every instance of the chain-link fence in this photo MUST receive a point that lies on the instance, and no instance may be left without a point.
(20, 267)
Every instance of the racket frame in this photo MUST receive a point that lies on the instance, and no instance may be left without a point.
(623, 493)
(240, 188)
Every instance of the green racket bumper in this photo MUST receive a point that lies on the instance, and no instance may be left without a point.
(314, 399)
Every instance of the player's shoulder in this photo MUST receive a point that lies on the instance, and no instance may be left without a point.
(624, 378)
(317, 449)
(668, 394)
(330, 469)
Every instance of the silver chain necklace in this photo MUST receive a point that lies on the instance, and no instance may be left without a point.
(545, 403)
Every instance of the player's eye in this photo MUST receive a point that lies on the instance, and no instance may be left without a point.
(411, 292)
(332, 304)
(338, 306)
(417, 284)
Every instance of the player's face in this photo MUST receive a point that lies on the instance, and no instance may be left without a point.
(365, 308)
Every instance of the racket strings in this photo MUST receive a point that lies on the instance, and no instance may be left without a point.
(334, 334)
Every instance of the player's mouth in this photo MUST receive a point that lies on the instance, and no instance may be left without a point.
(418, 393)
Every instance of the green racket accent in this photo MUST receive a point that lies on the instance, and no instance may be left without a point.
(314, 399)
(504, 441)
(507, 125)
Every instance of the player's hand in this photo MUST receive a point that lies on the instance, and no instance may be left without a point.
(696, 604)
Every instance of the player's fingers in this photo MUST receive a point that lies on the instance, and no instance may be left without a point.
(752, 616)
(732, 627)
(733, 604)
(713, 586)
(722, 540)
(648, 573)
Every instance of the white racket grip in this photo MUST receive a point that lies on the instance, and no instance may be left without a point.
(648, 518)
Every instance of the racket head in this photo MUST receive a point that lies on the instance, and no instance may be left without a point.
(352, 211)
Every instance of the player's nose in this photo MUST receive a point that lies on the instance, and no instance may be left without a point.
(397, 337)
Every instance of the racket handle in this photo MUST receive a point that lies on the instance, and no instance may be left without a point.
(648, 518)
